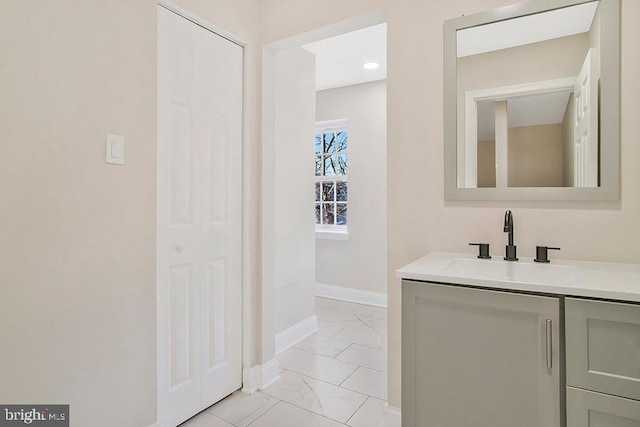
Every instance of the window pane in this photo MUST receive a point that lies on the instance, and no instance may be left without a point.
(341, 191)
(318, 165)
(317, 213)
(341, 165)
(328, 213)
(317, 191)
(341, 141)
(341, 217)
(318, 144)
(330, 164)
(328, 191)
(329, 142)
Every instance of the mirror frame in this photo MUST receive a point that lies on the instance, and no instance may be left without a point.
(609, 189)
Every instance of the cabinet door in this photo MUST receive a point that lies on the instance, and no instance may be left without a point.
(603, 347)
(591, 409)
(481, 358)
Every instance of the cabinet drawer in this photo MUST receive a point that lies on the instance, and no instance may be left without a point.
(603, 347)
(591, 409)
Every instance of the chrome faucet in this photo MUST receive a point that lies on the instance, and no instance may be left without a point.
(510, 254)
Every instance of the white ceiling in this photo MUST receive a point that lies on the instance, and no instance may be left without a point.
(527, 29)
(339, 59)
(531, 110)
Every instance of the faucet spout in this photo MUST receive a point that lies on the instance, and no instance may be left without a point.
(508, 228)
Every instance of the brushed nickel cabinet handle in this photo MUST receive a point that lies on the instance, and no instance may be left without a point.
(549, 345)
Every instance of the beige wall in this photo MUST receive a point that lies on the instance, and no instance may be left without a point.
(486, 164)
(359, 262)
(77, 264)
(535, 156)
(419, 220)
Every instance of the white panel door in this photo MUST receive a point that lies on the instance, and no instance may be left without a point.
(586, 124)
(198, 217)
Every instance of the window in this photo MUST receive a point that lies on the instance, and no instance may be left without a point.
(331, 143)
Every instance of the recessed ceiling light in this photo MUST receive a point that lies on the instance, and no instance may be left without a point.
(371, 65)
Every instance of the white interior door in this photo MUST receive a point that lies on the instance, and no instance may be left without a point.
(586, 124)
(199, 218)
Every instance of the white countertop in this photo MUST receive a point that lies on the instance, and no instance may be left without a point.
(614, 281)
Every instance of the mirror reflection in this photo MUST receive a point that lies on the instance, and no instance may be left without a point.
(528, 100)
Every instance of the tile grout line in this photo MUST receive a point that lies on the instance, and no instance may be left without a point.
(359, 407)
(336, 307)
(341, 329)
(366, 397)
(340, 385)
(324, 355)
(269, 397)
(329, 321)
(336, 356)
(322, 381)
(363, 345)
(277, 403)
(315, 355)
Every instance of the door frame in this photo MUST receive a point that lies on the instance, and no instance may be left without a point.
(249, 343)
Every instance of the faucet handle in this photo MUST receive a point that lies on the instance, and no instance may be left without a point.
(483, 250)
(541, 253)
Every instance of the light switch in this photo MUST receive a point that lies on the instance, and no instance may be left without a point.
(115, 149)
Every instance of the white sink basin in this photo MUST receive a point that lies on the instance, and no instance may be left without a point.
(511, 271)
(590, 279)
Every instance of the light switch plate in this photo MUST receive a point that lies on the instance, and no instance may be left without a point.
(115, 149)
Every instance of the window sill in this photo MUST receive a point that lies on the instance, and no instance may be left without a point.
(332, 235)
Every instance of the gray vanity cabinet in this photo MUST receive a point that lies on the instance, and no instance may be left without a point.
(482, 358)
(603, 363)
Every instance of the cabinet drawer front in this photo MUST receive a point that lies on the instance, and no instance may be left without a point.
(603, 347)
(591, 409)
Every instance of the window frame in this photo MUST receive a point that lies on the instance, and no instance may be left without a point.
(332, 231)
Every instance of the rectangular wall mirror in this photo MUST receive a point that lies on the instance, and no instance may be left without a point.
(532, 102)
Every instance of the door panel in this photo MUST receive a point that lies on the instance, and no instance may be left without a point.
(199, 217)
(217, 316)
(181, 321)
(218, 159)
(221, 89)
(181, 167)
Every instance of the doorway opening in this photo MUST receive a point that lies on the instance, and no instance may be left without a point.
(330, 241)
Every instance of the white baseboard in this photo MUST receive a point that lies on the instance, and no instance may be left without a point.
(342, 293)
(270, 373)
(259, 377)
(296, 333)
(392, 409)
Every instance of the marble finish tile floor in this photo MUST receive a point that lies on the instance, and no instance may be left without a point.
(335, 378)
